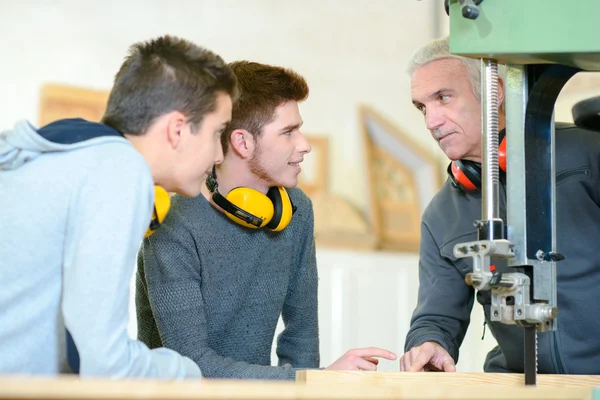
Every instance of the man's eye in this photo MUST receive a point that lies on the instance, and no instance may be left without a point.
(444, 97)
(421, 108)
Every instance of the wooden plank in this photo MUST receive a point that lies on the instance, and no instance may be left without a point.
(45, 389)
(68, 387)
(426, 379)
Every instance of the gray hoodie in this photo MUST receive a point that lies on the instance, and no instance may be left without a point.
(75, 201)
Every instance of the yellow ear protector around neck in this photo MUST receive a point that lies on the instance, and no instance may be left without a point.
(162, 203)
(253, 209)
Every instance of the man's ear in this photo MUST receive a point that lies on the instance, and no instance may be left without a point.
(176, 123)
(500, 92)
(242, 142)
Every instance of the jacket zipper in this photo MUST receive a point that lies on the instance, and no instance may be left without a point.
(563, 175)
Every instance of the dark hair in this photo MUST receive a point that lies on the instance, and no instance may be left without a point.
(163, 75)
(262, 89)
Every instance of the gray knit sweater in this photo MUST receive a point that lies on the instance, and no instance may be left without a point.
(214, 290)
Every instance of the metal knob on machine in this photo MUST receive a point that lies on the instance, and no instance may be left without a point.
(540, 313)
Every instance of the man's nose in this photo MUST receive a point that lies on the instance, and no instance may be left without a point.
(303, 145)
(434, 118)
(219, 154)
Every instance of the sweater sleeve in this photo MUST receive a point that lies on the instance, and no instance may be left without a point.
(298, 344)
(108, 215)
(171, 266)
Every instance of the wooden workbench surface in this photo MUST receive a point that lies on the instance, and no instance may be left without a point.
(69, 387)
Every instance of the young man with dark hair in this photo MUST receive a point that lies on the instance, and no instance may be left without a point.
(213, 281)
(77, 198)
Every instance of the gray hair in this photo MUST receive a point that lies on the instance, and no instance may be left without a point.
(440, 49)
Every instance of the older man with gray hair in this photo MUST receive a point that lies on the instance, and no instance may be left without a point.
(446, 89)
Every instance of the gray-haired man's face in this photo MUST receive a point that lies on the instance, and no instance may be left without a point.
(441, 90)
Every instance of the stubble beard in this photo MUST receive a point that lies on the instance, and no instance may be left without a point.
(257, 169)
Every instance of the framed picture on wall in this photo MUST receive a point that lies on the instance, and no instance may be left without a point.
(402, 177)
(62, 101)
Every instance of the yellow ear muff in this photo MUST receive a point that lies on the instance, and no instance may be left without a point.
(251, 201)
(283, 208)
(162, 203)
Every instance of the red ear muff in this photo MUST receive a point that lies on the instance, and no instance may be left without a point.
(466, 174)
(462, 176)
(502, 154)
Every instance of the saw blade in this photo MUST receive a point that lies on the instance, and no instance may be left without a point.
(531, 355)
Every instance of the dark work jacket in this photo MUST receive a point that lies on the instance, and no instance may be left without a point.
(445, 301)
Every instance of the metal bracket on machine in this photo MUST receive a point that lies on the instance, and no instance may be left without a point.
(511, 297)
